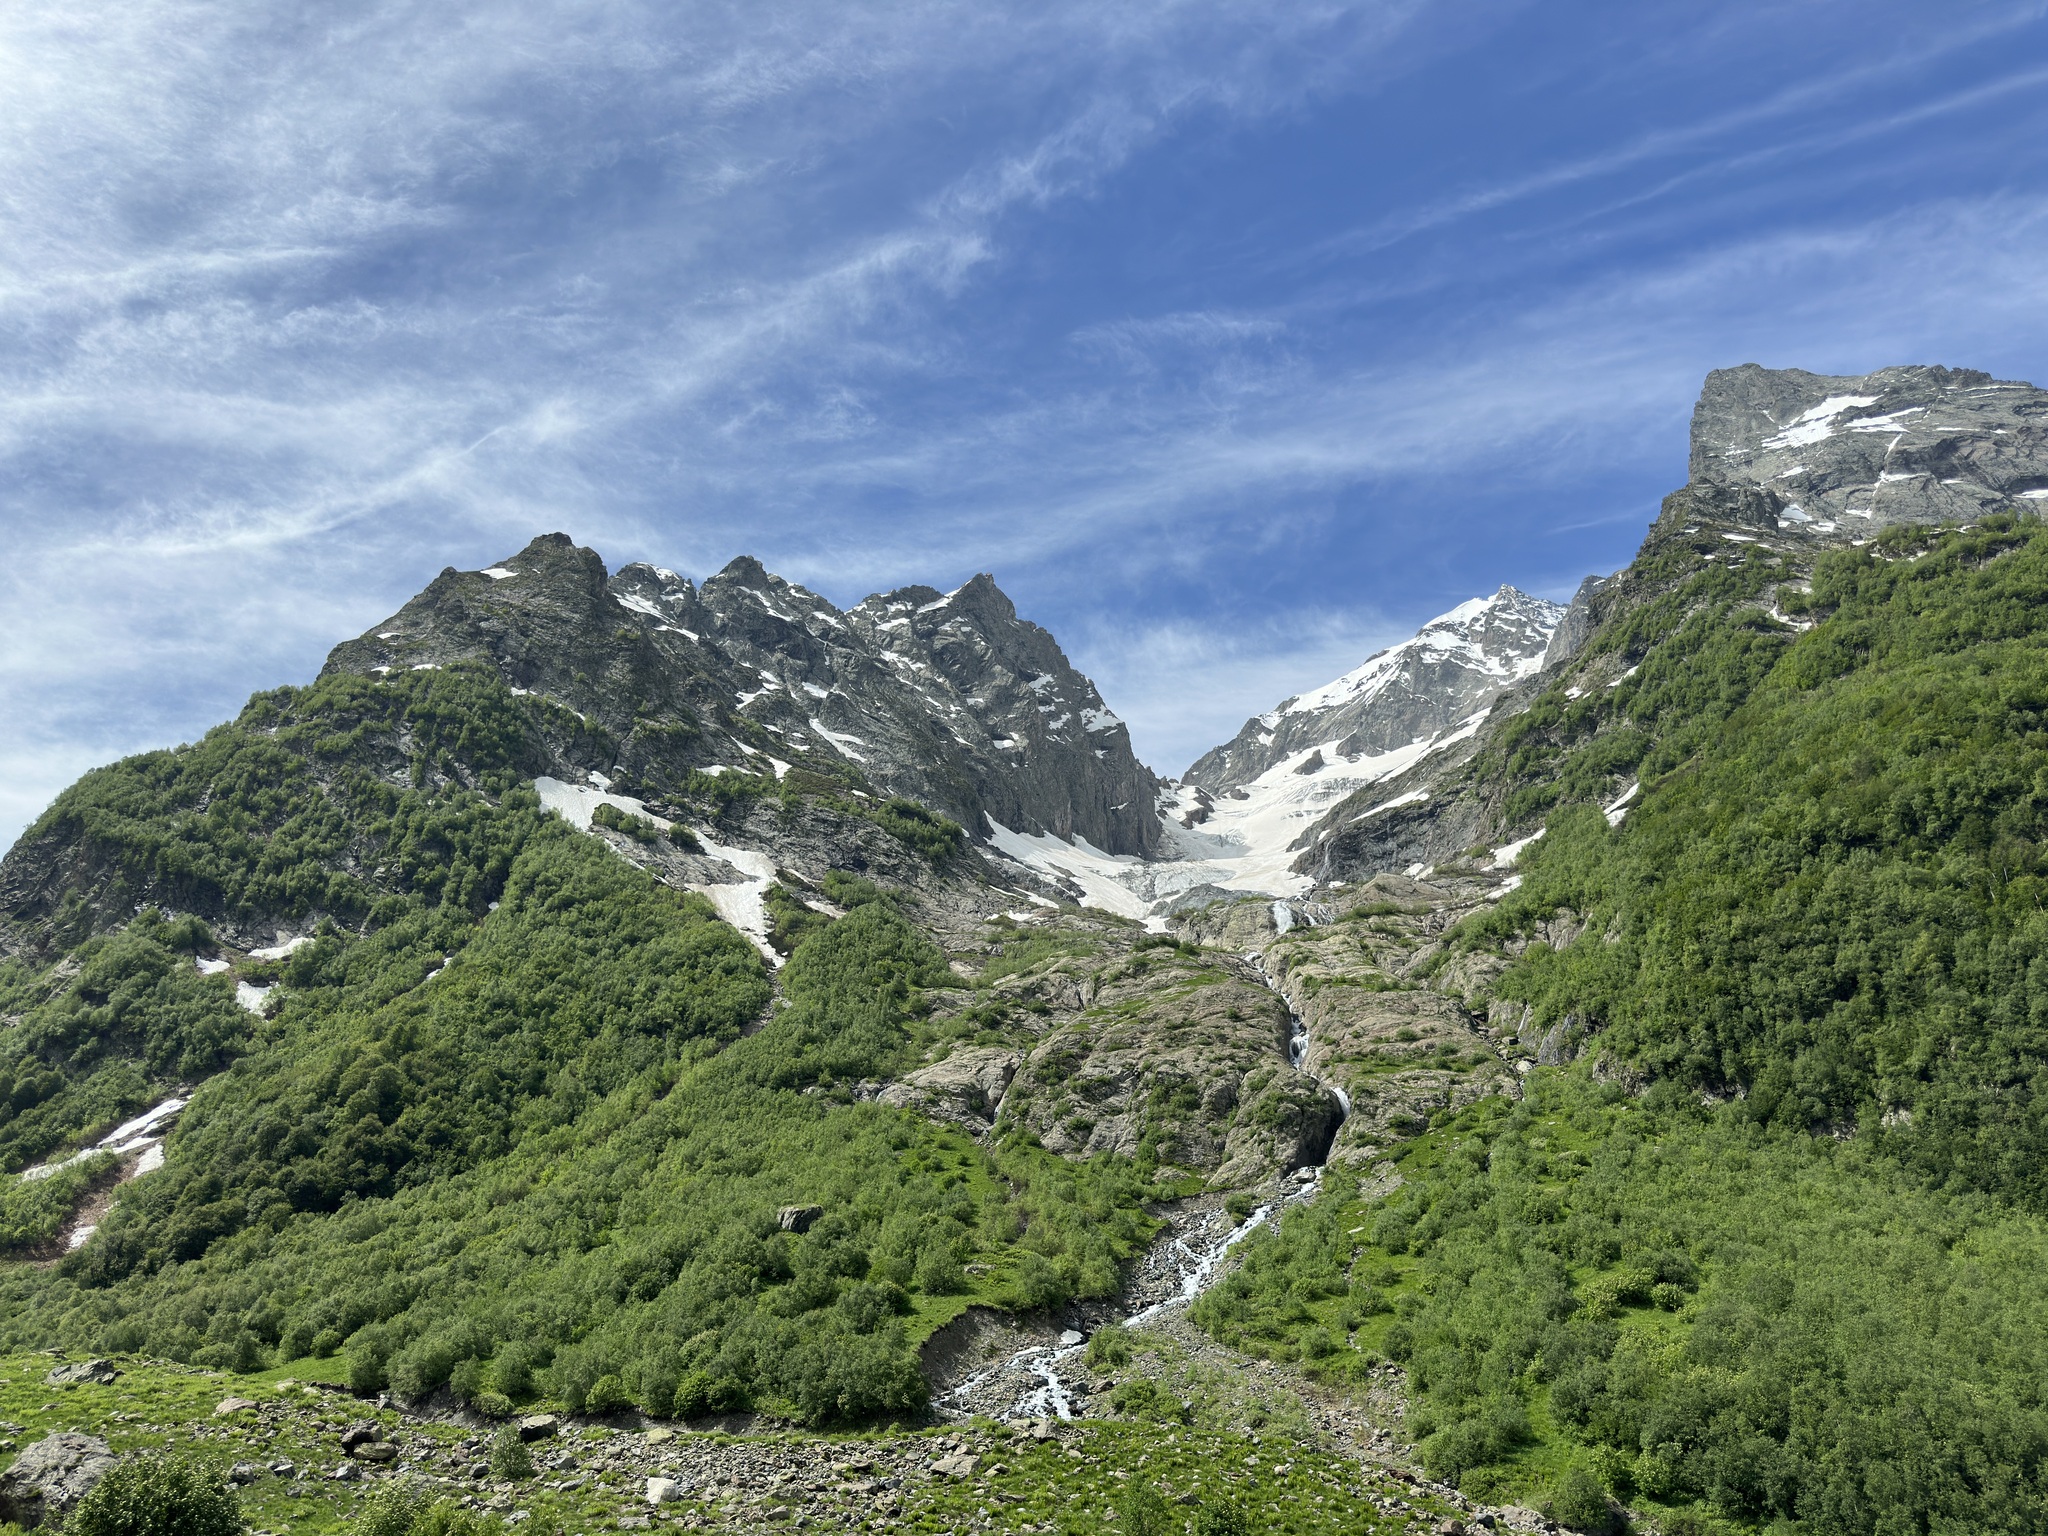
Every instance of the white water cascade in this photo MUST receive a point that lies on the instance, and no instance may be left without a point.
(1197, 1265)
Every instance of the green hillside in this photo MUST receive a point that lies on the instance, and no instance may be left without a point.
(1772, 1250)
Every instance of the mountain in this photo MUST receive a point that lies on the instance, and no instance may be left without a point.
(1452, 668)
(948, 698)
(1606, 1082)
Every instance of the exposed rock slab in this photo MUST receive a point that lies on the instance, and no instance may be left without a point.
(51, 1476)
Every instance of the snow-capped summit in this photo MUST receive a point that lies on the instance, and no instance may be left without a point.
(1243, 814)
(1455, 664)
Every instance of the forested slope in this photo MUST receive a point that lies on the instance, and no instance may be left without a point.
(519, 1118)
(1770, 1248)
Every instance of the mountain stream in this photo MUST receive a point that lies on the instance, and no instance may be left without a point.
(1195, 1255)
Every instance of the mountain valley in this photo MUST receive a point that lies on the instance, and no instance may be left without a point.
(1582, 1067)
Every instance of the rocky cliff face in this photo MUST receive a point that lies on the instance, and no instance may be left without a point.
(948, 698)
(1454, 666)
(1842, 456)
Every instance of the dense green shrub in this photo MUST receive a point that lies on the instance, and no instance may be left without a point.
(158, 1494)
(640, 828)
(1580, 1503)
(1848, 1349)
(509, 1455)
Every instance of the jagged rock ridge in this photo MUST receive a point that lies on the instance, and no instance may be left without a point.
(949, 698)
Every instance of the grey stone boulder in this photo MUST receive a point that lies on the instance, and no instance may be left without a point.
(967, 1085)
(798, 1218)
(76, 1373)
(52, 1475)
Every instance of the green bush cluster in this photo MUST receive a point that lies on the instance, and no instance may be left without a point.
(640, 828)
(531, 1153)
(1846, 1348)
(158, 1494)
(1828, 898)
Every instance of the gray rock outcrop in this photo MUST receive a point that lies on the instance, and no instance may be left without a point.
(1844, 455)
(948, 698)
(967, 1087)
(51, 1476)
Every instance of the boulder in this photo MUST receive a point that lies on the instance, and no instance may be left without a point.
(362, 1433)
(230, 1405)
(78, 1372)
(798, 1218)
(377, 1451)
(50, 1476)
(538, 1426)
(968, 1085)
(663, 1490)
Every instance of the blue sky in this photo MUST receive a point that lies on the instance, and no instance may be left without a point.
(1236, 340)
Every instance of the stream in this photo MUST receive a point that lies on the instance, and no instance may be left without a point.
(1197, 1266)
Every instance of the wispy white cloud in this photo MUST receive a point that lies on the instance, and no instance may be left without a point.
(303, 303)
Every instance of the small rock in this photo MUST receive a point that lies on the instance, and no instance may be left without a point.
(663, 1490)
(230, 1405)
(283, 1468)
(347, 1472)
(798, 1218)
(959, 1464)
(52, 1475)
(80, 1372)
(1450, 1528)
(243, 1473)
(538, 1426)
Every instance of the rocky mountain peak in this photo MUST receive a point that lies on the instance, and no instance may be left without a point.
(1840, 456)
(950, 699)
(1453, 666)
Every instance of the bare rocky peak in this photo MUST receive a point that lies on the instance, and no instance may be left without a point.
(1452, 668)
(949, 698)
(1836, 457)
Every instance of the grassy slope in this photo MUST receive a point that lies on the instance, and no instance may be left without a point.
(1069, 1485)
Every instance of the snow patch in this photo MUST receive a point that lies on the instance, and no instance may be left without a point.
(839, 739)
(1505, 857)
(210, 967)
(1817, 424)
(574, 802)
(144, 1134)
(1619, 808)
(497, 573)
(741, 904)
